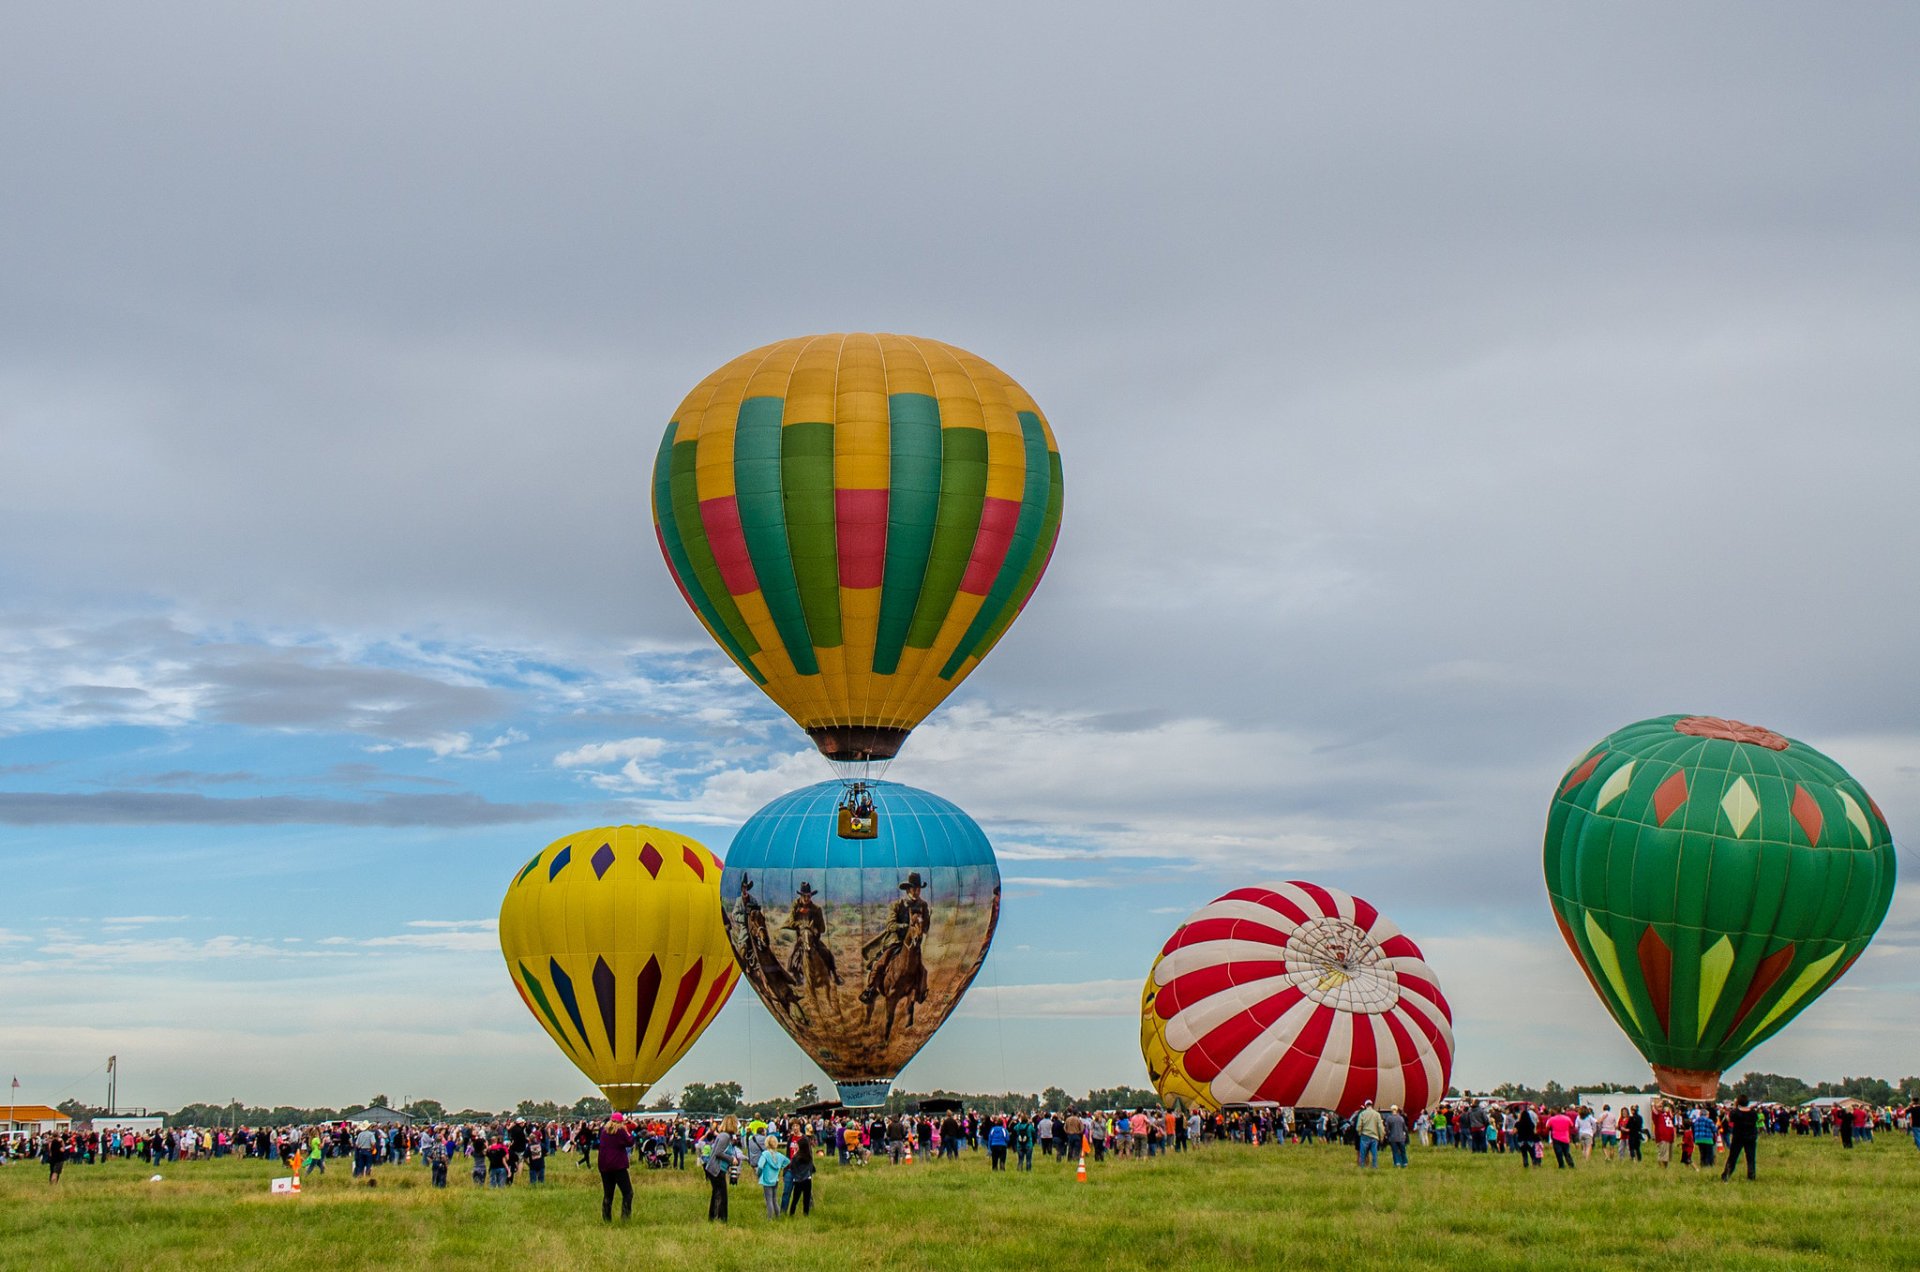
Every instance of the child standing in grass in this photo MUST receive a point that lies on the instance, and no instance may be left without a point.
(800, 1173)
(772, 1162)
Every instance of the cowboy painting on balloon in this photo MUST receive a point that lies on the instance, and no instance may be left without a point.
(860, 948)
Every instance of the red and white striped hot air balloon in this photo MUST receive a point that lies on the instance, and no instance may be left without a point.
(1298, 994)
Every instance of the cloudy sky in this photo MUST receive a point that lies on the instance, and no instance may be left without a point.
(1439, 389)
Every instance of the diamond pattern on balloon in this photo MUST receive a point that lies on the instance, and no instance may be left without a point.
(1857, 816)
(1583, 772)
(1615, 786)
(601, 861)
(1806, 811)
(1671, 794)
(650, 858)
(1740, 805)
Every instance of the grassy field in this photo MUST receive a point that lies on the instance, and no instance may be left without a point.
(1814, 1206)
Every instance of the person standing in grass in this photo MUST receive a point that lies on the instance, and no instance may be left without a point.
(772, 1163)
(1662, 1133)
(436, 1154)
(1703, 1132)
(1023, 1142)
(800, 1174)
(896, 1138)
(997, 1143)
(536, 1157)
(1526, 1131)
(56, 1154)
(1744, 1136)
(615, 1161)
(722, 1152)
(1396, 1127)
(1369, 1129)
(497, 1153)
(1560, 1132)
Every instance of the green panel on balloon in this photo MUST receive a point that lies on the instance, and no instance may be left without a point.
(1715, 874)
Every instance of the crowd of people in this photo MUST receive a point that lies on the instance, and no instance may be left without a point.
(781, 1155)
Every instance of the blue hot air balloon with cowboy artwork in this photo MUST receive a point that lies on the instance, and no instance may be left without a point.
(860, 924)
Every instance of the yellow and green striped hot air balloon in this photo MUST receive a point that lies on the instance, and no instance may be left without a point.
(857, 519)
(613, 938)
(1712, 878)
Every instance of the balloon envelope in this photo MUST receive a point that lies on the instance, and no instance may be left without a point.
(1712, 878)
(1298, 994)
(861, 947)
(613, 938)
(857, 519)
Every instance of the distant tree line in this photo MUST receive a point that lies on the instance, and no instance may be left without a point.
(716, 1099)
(1761, 1088)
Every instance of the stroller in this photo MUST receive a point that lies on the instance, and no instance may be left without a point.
(653, 1151)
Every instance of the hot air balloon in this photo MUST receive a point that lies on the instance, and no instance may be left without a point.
(1712, 878)
(860, 947)
(1298, 994)
(857, 519)
(613, 938)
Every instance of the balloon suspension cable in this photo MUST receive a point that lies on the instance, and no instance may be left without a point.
(999, 1019)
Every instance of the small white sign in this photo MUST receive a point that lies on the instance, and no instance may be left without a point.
(290, 1184)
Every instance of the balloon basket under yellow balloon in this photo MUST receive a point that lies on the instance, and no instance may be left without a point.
(626, 1097)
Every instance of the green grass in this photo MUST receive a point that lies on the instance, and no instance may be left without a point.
(1814, 1206)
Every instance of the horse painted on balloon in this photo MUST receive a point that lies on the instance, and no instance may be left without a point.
(901, 976)
(813, 965)
(769, 974)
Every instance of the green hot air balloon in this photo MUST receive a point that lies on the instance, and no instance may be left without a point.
(1712, 878)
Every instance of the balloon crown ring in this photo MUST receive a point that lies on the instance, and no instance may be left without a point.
(1730, 731)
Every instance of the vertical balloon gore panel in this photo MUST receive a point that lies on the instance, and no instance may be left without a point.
(861, 948)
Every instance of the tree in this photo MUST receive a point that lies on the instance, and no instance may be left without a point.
(1054, 1098)
(720, 1098)
(1772, 1088)
(806, 1093)
(1122, 1097)
(427, 1110)
(663, 1101)
(591, 1107)
(379, 1102)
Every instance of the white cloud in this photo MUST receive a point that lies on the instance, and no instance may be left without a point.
(1071, 999)
(597, 754)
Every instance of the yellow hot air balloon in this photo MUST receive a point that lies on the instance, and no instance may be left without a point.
(857, 519)
(613, 938)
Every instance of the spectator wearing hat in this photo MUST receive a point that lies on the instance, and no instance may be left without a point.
(1396, 1128)
(1369, 1129)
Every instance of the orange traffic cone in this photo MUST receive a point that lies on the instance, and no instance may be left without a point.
(909, 1151)
(1080, 1175)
